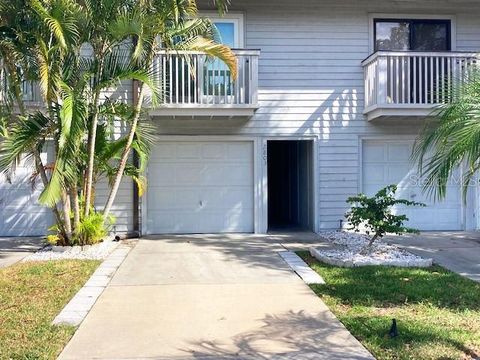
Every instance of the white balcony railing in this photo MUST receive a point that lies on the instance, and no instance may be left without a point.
(193, 80)
(30, 91)
(412, 83)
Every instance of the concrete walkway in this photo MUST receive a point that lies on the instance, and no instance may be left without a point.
(210, 297)
(13, 249)
(456, 251)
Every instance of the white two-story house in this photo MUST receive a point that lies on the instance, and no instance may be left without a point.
(330, 97)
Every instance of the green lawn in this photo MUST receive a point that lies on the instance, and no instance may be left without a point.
(437, 311)
(31, 295)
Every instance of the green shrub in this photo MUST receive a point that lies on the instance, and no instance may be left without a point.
(93, 229)
(375, 214)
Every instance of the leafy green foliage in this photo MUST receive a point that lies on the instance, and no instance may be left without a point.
(92, 229)
(451, 139)
(375, 213)
(45, 43)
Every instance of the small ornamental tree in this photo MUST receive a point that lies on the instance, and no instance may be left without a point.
(375, 214)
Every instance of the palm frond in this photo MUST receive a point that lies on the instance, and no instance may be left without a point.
(451, 140)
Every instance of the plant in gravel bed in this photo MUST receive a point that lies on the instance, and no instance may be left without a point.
(31, 295)
(437, 311)
(374, 214)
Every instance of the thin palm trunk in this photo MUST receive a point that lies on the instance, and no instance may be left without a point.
(76, 208)
(91, 145)
(126, 152)
(66, 215)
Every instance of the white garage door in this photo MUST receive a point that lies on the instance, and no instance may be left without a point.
(387, 162)
(200, 187)
(20, 213)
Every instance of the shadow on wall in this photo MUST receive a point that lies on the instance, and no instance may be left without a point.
(291, 335)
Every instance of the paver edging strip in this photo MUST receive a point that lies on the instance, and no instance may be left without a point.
(79, 306)
(305, 272)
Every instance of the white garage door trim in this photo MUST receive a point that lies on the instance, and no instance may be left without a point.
(398, 139)
(223, 139)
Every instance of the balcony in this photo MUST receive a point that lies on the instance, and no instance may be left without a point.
(193, 84)
(30, 93)
(412, 84)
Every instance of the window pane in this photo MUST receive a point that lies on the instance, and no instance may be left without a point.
(430, 36)
(392, 36)
(227, 33)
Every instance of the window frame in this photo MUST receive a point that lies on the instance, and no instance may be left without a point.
(407, 17)
(412, 23)
(232, 17)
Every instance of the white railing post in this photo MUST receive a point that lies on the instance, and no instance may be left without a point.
(254, 83)
(382, 79)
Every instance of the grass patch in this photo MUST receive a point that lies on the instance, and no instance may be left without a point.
(31, 295)
(437, 311)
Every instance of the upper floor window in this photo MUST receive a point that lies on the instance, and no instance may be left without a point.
(230, 29)
(412, 34)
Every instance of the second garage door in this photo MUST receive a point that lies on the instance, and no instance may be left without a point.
(20, 212)
(388, 162)
(200, 187)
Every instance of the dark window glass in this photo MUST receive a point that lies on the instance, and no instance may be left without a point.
(392, 36)
(413, 34)
(430, 37)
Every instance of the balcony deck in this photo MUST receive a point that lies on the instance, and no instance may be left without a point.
(193, 84)
(412, 84)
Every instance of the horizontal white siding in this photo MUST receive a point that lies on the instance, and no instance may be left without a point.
(122, 209)
(311, 81)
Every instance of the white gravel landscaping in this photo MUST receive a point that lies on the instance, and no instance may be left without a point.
(350, 245)
(98, 251)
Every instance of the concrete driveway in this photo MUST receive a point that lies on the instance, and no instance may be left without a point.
(13, 249)
(456, 251)
(210, 297)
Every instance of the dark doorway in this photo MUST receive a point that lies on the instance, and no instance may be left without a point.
(290, 185)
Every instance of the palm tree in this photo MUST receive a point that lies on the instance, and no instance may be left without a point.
(46, 45)
(452, 139)
(35, 38)
(173, 25)
(67, 81)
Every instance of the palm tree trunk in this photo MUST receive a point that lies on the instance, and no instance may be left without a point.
(125, 153)
(91, 144)
(76, 208)
(66, 215)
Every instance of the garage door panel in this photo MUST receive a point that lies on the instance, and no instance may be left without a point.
(227, 198)
(377, 174)
(398, 152)
(398, 173)
(188, 151)
(20, 212)
(241, 152)
(396, 168)
(374, 152)
(211, 191)
(213, 151)
(240, 174)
